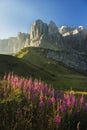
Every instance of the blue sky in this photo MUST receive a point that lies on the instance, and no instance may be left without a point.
(18, 15)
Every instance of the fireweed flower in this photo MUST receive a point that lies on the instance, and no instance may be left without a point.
(84, 107)
(42, 98)
(49, 102)
(30, 83)
(41, 104)
(24, 88)
(50, 92)
(58, 119)
(72, 98)
(21, 83)
(43, 90)
(66, 95)
(67, 102)
(53, 100)
(46, 88)
(81, 99)
(55, 94)
(40, 84)
(62, 108)
(73, 101)
(31, 89)
(8, 77)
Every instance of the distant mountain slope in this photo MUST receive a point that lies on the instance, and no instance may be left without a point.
(14, 44)
(64, 77)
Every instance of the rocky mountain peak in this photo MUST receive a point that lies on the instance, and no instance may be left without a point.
(66, 29)
(80, 28)
(38, 21)
(52, 28)
(37, 29)
(44, 35)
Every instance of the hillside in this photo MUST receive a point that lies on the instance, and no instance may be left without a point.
(21, 68)
(62, 77)
(33, 62)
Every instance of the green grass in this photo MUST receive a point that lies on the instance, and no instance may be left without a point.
(21, 68)
(62, 77)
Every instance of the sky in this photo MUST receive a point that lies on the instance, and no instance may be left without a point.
(18, 15)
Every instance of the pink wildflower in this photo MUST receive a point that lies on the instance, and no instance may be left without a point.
(53, 100)
(49, 102)
(81, 99)
(41, 104)
(58, 119)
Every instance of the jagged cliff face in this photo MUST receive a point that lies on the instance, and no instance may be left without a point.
(75, 38)
(45, 35)
(67, 44)
(41, 35)
(38, 29)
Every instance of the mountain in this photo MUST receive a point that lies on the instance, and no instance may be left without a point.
(14, 44)
(65, 44)
(45, 35)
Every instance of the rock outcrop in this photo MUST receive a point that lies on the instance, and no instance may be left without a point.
(38, 28)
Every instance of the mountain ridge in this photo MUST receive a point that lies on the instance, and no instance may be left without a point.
(48, 36)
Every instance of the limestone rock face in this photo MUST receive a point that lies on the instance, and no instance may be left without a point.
(71, 59)
(75, 38)
(52, 28)
(45, 35)
(37, 29)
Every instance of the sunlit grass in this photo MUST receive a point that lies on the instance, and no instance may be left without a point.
(76, 92)
(79, 92)
(21, 55)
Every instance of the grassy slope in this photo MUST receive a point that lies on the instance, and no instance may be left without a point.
(20, 67)
(62, 77)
